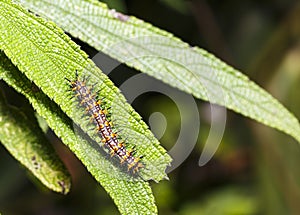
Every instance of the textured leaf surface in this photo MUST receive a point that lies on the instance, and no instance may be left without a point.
(165, 57)
(130, 197)
(22, 137)
(47, 56)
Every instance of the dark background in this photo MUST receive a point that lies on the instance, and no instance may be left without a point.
(254, 170)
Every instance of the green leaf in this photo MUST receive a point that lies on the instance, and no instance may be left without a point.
(141, 198)
(47, 56)
(165, 57)
(138, 196)
(22, 137)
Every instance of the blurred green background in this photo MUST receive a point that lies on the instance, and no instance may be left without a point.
(254, 171)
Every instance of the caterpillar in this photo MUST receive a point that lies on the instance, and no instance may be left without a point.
(99, 117)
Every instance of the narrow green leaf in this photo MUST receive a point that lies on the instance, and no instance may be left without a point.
(138, 198)
(22, 137)
(165, 57)
(47, 56)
